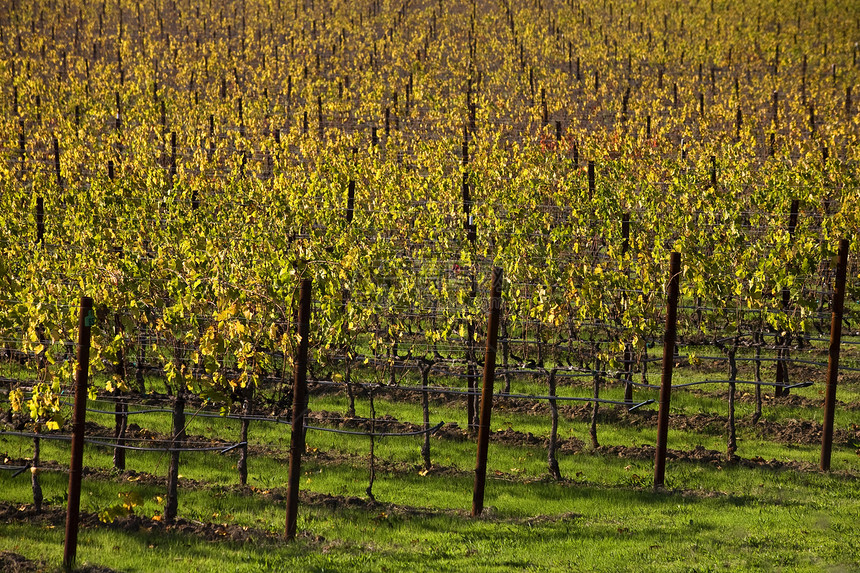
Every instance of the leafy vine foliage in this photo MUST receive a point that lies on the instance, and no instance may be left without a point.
(205, 154)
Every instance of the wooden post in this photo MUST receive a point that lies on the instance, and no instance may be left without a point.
(811, 119)
(350, 201)
(320, 116)
(57, 163)
(85, 322)
(776, 109)
(833, 363)
(242, 462)
(595, 405)
(628, 348)
(22, 145)
(387, 122)
(781, 365)
(624, 101)
(171, 502)
(40, 220)
(117, 122)
(552, 462)
(668, 364)
(425, 407)
(714, 171)
(591, 180)
(739, 119)
(471, 236)
(300, 404)
(487, 393)
(172, 172)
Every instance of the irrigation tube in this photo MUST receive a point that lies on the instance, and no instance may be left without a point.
(466, 393)
(18, 469)
(198, 414)
(787, 387)
(64, 438)
(684, 385)
(378, 435)
(438, 390)
(219, 449)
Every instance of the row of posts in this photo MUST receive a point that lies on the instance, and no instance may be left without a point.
(670, 336)
(300, 395)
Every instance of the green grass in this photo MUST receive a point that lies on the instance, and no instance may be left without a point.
(787, 521)
(603, 517)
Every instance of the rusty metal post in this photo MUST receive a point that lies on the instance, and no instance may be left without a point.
(833, 363)
(300, 404)
(668, 364)
(85, 321)
(487, 394)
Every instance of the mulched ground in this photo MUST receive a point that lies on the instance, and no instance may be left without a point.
(14, 563)
(56, 517)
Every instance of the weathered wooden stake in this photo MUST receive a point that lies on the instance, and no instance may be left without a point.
(668, 365)
(350, 201)
(85, 322)
(487, 393)
(833, 363)
(300, 404)
(552, 461)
